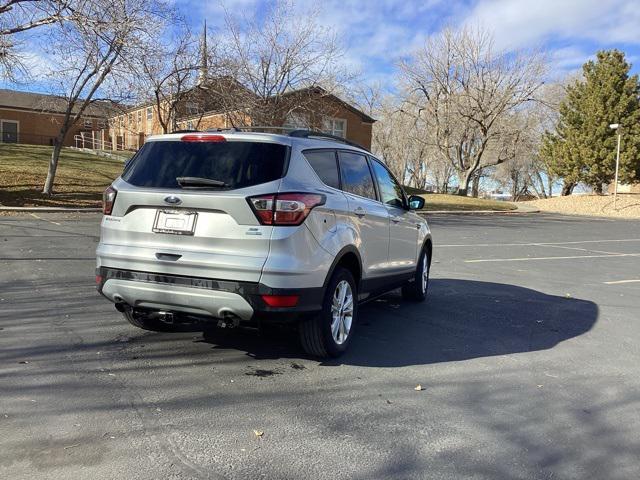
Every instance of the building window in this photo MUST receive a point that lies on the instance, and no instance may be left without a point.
(139, 116)
(296, 120)
(102, 124)
(9, 130)
(335, 126)
(192, 108)
(88, 123)
(149, 113)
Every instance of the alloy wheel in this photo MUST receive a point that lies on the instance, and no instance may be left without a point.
(341, 312)
(425, 273)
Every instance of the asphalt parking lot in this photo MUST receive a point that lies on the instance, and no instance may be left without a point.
(527, 351)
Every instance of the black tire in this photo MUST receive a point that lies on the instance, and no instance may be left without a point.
(316, 333)
(149, 323)
(416, 289)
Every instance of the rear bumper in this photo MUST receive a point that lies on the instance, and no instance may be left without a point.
(203, 296)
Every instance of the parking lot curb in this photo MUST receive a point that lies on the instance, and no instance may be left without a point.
(518, 211)
(50, 209)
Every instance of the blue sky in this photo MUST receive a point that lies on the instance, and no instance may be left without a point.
(377, 32)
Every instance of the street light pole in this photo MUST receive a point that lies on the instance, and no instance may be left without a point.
(616, 127)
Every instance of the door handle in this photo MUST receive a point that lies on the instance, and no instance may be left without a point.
(360, 212)
(395, 219)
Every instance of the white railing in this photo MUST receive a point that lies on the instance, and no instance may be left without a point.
(96, 145)
(85, 141)
(96, 141)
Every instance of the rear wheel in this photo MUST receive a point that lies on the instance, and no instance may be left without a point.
(417, 288)
(329, 333)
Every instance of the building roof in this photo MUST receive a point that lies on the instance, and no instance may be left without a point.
(44, 103)
(321, 91)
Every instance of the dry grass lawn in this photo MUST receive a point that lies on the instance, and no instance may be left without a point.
(595, 205)
(80, 180)
(441, 201)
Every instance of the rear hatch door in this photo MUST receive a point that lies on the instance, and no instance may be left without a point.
(182, 208)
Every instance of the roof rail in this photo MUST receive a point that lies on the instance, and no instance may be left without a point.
(264, 127)
(301, 133)
(316, 134)
(229, 129)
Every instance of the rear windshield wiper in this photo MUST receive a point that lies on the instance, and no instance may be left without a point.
(200, 182)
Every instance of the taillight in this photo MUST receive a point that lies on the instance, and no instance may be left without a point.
(284, 209)
(203, 137)
(108, 199)
(279, 301)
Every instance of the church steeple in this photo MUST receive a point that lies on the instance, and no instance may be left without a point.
(203, 73)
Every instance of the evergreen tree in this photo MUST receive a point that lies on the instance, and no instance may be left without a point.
(583, 147)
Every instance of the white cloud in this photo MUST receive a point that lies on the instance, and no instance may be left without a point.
(377, 33)
(527, 23)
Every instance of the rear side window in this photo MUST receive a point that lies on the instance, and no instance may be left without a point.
(237, 164)
(356, 176)
(325, 165)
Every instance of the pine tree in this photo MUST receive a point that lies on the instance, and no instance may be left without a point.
(583, 147)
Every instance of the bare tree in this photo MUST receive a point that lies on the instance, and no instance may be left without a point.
(168, 74)
(403, 144)
(529, 173)
(466, 93)
(386, 141)
(18, 16)
(89, 52)
(285, 61)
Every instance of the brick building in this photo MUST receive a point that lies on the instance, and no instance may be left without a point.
(200, 109)
(220, 102)
(35, 118)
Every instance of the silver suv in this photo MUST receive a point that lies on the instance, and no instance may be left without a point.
(241, 228)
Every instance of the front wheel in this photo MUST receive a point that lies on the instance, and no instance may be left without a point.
(416, 289)
(329, 333)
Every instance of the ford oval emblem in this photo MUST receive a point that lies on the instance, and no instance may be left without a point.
(173, 200)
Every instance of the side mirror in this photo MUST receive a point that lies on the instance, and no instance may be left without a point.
(416, 202)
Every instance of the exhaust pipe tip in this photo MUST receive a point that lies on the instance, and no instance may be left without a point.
(229, 320)
(120, 304)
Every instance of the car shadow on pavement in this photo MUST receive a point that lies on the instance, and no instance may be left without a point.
(461, 320)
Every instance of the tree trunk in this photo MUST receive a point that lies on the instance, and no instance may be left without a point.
(463, 184)
(475, 188)
(567, 188)
(53, 164)
(598, 188)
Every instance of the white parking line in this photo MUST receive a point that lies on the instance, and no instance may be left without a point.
(538, 243)
(618, 282)
(588, 250)
(526, 259)
(44, 219)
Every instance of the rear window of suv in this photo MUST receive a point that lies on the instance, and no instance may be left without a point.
(237, 164)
